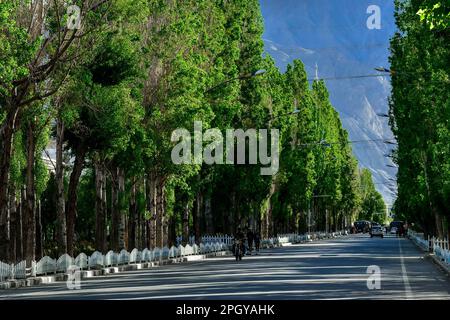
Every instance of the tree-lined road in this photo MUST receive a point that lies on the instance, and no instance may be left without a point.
(331, 269)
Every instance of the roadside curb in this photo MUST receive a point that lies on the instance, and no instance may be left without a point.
(441, 266)
(30, 282)
(431, 257)
(35, 281)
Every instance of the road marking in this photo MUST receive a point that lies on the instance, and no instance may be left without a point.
(408, 291)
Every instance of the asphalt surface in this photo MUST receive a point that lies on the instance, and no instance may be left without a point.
(329, 269)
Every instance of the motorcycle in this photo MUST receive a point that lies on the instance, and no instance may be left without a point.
(238, 249)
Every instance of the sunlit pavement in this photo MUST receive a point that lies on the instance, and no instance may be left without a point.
(332, 269)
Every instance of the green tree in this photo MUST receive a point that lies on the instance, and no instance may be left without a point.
(419, 119)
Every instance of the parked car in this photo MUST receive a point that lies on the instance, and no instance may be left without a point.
(375, 224)
(362, 226)
(376, 231)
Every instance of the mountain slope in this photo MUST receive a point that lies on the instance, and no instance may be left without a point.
(332, 39)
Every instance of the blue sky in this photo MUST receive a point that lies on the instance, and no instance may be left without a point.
(333, 35)
(330, 25)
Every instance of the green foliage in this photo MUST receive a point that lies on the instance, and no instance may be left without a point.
(168, 64)
(435, 13)
(372, 207)
(420, 106)
(16, 50)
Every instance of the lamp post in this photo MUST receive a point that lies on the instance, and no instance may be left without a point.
(241, 77)
(383, 69)
(270, 118)
(312, 207)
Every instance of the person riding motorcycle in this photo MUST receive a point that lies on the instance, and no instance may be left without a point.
(239, 240)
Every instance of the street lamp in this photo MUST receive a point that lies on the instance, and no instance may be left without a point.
(389, 142)
(383, 69)
(242, 77)
(296, 111)
(322, 143)
(258, 72)
(393, 72)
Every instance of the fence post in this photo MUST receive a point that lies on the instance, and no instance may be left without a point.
(33, 268)
(11, 271)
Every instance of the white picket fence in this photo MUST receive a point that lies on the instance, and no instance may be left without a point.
(418, 239)
(439, 247)
(12, 271)
(441, 250)
(209, 244)
(297, 238)
(97, 260)
(270, 242)
(228, 240)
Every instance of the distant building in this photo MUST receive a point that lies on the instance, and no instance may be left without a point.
(49, 156)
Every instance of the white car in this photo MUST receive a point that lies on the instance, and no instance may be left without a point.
(394, 230)
(376, 231)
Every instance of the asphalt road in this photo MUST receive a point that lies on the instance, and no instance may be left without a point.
(331, 269)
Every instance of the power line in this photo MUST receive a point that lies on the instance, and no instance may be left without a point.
(388, 141)
(353, 77)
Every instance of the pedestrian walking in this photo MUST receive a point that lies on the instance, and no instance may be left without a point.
(257, 239)
(250, 241)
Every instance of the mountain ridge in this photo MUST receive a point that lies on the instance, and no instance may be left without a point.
(347, 51)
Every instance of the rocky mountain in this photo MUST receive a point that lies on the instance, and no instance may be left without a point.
(333, 40)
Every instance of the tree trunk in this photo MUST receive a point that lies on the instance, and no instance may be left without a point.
(20, 225)
(132, 217)
(6, 139)
(208, 216)
(121, 197)
(100, 225)
(29, 218)
(437, 218)
(140, 218)
(165, 218)
(264, 225)
(60, 202)
(268, 215)
(186, 224)
(160, 212)
(172, 232)
(159, 217)
(72, 196)
(115, 214)
(197, 217)
(12, 224)
(39, 241)
(105, 208)
(151, 208)
(439, 225)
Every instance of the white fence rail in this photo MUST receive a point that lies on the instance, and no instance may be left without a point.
(97, 260)
(440, 248)
(209, 244)
(270, 242)
(226, 239)
(418, 239)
